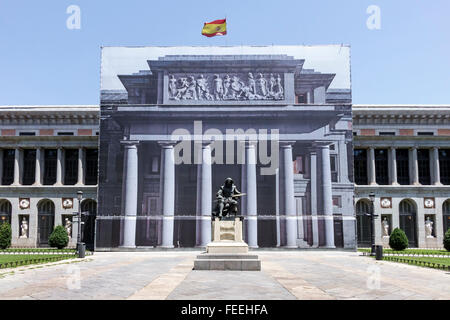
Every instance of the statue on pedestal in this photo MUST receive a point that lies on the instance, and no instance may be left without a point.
(385, 225)
(429, 228)
(226, 199)
(68, 227)
(24, 228)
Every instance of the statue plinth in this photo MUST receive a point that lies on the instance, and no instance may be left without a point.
(227, 251)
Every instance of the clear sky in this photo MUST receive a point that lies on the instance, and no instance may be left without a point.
(406, 61)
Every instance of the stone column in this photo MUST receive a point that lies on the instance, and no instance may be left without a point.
(313, 194)
(168, 193)
(414, 169)
(131, 194)
(81, 154)
(251, 201)
(371, 167)
(204, 197)
(277, 206)
(327, 195)
(287, 182)
(393, 166)
(17, 165)
(343, 162)
(435, 167)
(1, 167)
(59, 167)
(38, 169)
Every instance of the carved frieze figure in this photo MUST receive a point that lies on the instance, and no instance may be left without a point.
(429, 228)
(218, 87)
(24, 228)
(172, 86)
(190, 93)
(68, 226)
(262, 86)
(202, 89)
(237, 87)
(272, 84)
(251, 84)
(385, 225)
(279, 91)
(226, 87)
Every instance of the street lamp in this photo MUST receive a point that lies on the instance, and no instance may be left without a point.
(80, 246)
(372, 222)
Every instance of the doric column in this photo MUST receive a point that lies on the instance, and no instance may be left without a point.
(59, 167)
(81, 154)
(17, 165)
(392, 166)
(343, 161)
(1, 167)
(251, 198)
(435, 166)
(371, 167)
(313, 195)
(131, 193)
(327, 195)
(168, 193)
(38, 170)
(414, 168)
(204, 197)
(287, 182)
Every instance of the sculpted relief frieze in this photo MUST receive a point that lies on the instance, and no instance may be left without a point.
(223, 87)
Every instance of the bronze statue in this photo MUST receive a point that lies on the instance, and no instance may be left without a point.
(226, 199)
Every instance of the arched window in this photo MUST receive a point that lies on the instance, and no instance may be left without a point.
(5, 211)
(46, 220)
(407, 212)
(363, 222)
(89, 208)
(446, 215)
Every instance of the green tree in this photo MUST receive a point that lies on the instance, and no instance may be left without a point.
(398, 240)
(5, 235)
(59, 238)
(447, 240)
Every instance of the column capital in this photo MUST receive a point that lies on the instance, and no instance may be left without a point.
(286, 144)
(321, 144)
(129, 143)
(252, 143)
(167, 143)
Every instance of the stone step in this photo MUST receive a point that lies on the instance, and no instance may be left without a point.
(228, 264)
(227, 256)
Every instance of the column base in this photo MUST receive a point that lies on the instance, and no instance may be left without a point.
(289, 247)
(328, 247)
(253, 247)
(128, 247)
(166, 247)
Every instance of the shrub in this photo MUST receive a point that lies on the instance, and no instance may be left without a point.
(5, 235)
(398, 240)
(58, 238)
(447, 240)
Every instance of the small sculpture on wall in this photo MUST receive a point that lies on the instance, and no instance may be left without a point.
(24, 229)
(68, 227)
(429, 228)
(385, 224)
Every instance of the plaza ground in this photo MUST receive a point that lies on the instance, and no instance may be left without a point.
(286, 275)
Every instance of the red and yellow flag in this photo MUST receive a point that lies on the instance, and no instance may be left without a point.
(215, 28)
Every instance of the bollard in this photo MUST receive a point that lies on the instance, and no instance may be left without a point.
(379, 252)
(81, 250)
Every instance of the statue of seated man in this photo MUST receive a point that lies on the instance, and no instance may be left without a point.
(226, 202)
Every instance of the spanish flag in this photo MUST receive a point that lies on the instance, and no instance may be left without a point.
(215, 28)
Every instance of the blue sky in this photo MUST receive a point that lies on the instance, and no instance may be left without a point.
(43, 62)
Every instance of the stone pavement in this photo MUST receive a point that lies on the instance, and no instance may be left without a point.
(285, 275)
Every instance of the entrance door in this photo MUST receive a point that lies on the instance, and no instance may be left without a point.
(88, 228)
(363, 222)
(46, 220)
(338, 232)
(446, 215)
(408, 221)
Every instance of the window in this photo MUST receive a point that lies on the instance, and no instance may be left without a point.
(27, 133)
(444, 165)
(301, 98)
(91, 166)
(402, 157)
(386, 133)
(425, 133)
(65, 133)
(29, 167)
(360, 166)
(381, 166)
(334, 168)
(8, 166)
(50, 157)
(298, 165)
(71, 166)
(423, 159)
(355, 133)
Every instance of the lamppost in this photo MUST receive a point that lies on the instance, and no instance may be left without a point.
(372, 222)
(80, 246)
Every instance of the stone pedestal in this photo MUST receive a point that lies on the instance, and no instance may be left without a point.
(227, 251)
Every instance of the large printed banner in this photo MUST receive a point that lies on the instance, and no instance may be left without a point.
(177, 121)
